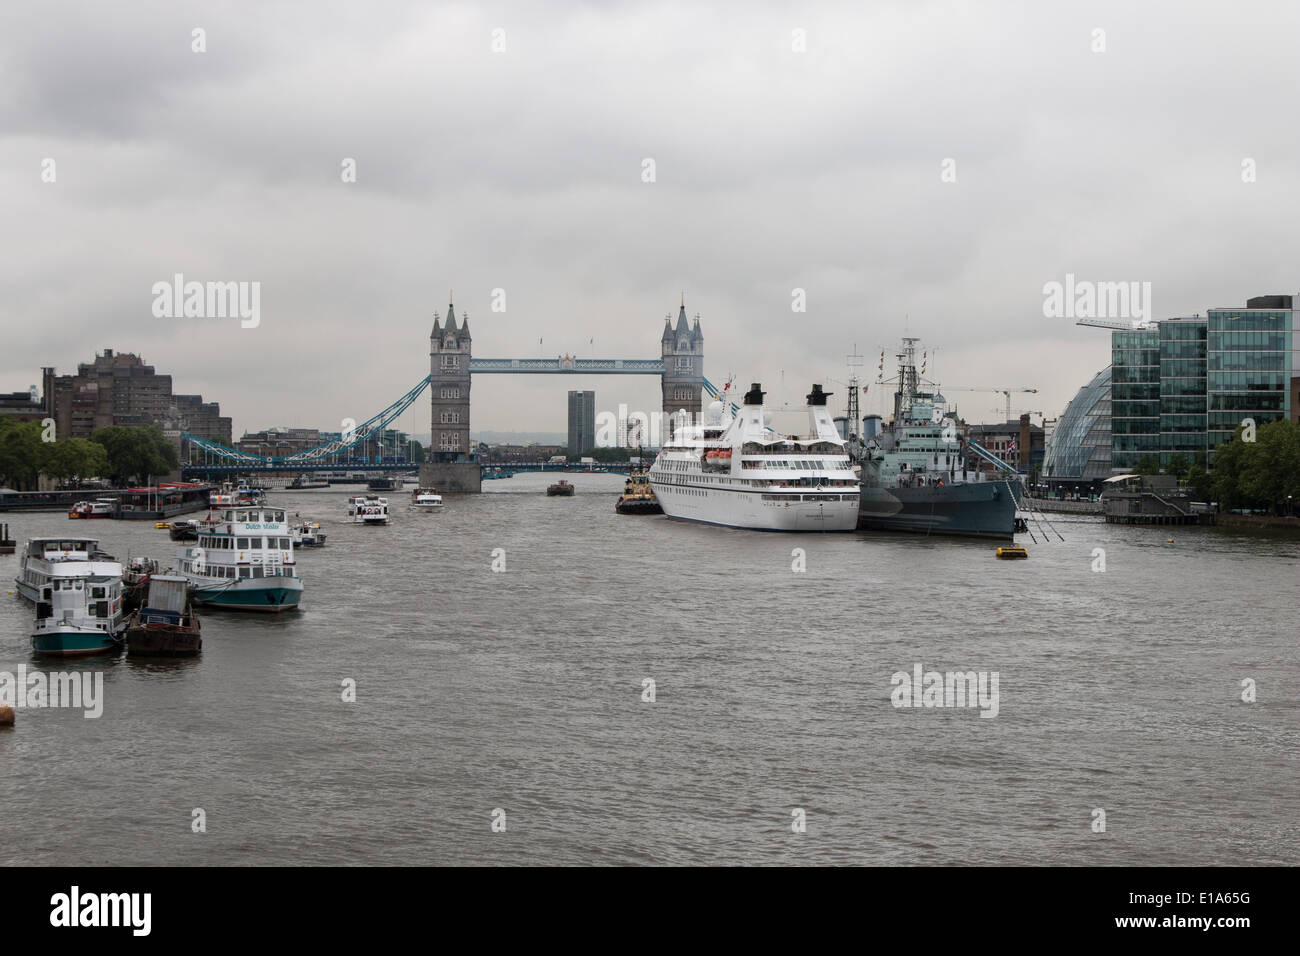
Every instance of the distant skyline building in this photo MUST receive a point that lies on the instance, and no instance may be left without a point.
(1018, 443)
(22, 406)
(120, 389)
(582, 422)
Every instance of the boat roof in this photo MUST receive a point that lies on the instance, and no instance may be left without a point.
(86, 569)
(62, 538)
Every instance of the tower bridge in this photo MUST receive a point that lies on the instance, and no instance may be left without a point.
(452, 465)
(452, 365)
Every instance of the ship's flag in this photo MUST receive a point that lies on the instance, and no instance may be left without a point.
(1012, 446)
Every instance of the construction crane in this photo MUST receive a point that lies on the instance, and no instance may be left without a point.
(996, 391)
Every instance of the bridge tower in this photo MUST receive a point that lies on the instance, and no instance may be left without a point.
(451, 466)
(683, 375)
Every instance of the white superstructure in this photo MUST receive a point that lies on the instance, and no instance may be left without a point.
(42, 556)
(744, 474)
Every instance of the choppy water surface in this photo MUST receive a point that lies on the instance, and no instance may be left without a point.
(523, 691)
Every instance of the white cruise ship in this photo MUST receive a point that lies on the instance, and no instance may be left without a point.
(743, 474)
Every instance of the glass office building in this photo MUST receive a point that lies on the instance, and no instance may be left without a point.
(1182, 390)
(1184, 385)
(1251, 362)
(1079, 452)
(1135, 396)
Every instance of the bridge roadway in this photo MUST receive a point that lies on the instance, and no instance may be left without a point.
(190, 472)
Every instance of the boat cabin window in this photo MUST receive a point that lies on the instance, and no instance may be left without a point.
(241, 515)
(241, 543)
(98, 592)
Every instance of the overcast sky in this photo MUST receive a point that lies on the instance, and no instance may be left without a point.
(522, 169)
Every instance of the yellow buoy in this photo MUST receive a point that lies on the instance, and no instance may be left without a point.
(1015, 551)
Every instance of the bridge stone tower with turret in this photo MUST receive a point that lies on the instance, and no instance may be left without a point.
(451, 466)
(683, 376)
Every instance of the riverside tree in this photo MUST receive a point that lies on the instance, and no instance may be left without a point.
(1264, 473)
(24, 455)
(136, 453)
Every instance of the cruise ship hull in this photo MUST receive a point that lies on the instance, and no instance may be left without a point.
(273, 594)
(743, 509)
(984, 509)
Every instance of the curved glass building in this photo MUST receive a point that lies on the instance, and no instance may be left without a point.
(1078, 456)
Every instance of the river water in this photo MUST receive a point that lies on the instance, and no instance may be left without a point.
(522, 690)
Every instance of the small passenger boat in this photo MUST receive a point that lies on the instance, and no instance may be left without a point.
(426, 499)
(561, 489)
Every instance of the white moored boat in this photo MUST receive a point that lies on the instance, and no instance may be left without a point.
(426, 499)
(42, 556)
(243, 560)
(77, 590)
(368, 509)
(743, 474)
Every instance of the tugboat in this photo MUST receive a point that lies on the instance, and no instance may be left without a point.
(167, 625)
(561, 489)
(426, 499)
(638, 498)
(79, 608)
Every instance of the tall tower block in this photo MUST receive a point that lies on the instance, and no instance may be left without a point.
(451, 466)
(683, 378)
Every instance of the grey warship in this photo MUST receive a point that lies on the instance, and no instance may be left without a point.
(919, 475)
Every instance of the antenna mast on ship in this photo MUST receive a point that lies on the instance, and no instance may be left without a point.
(907, 378)
(854, 361)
